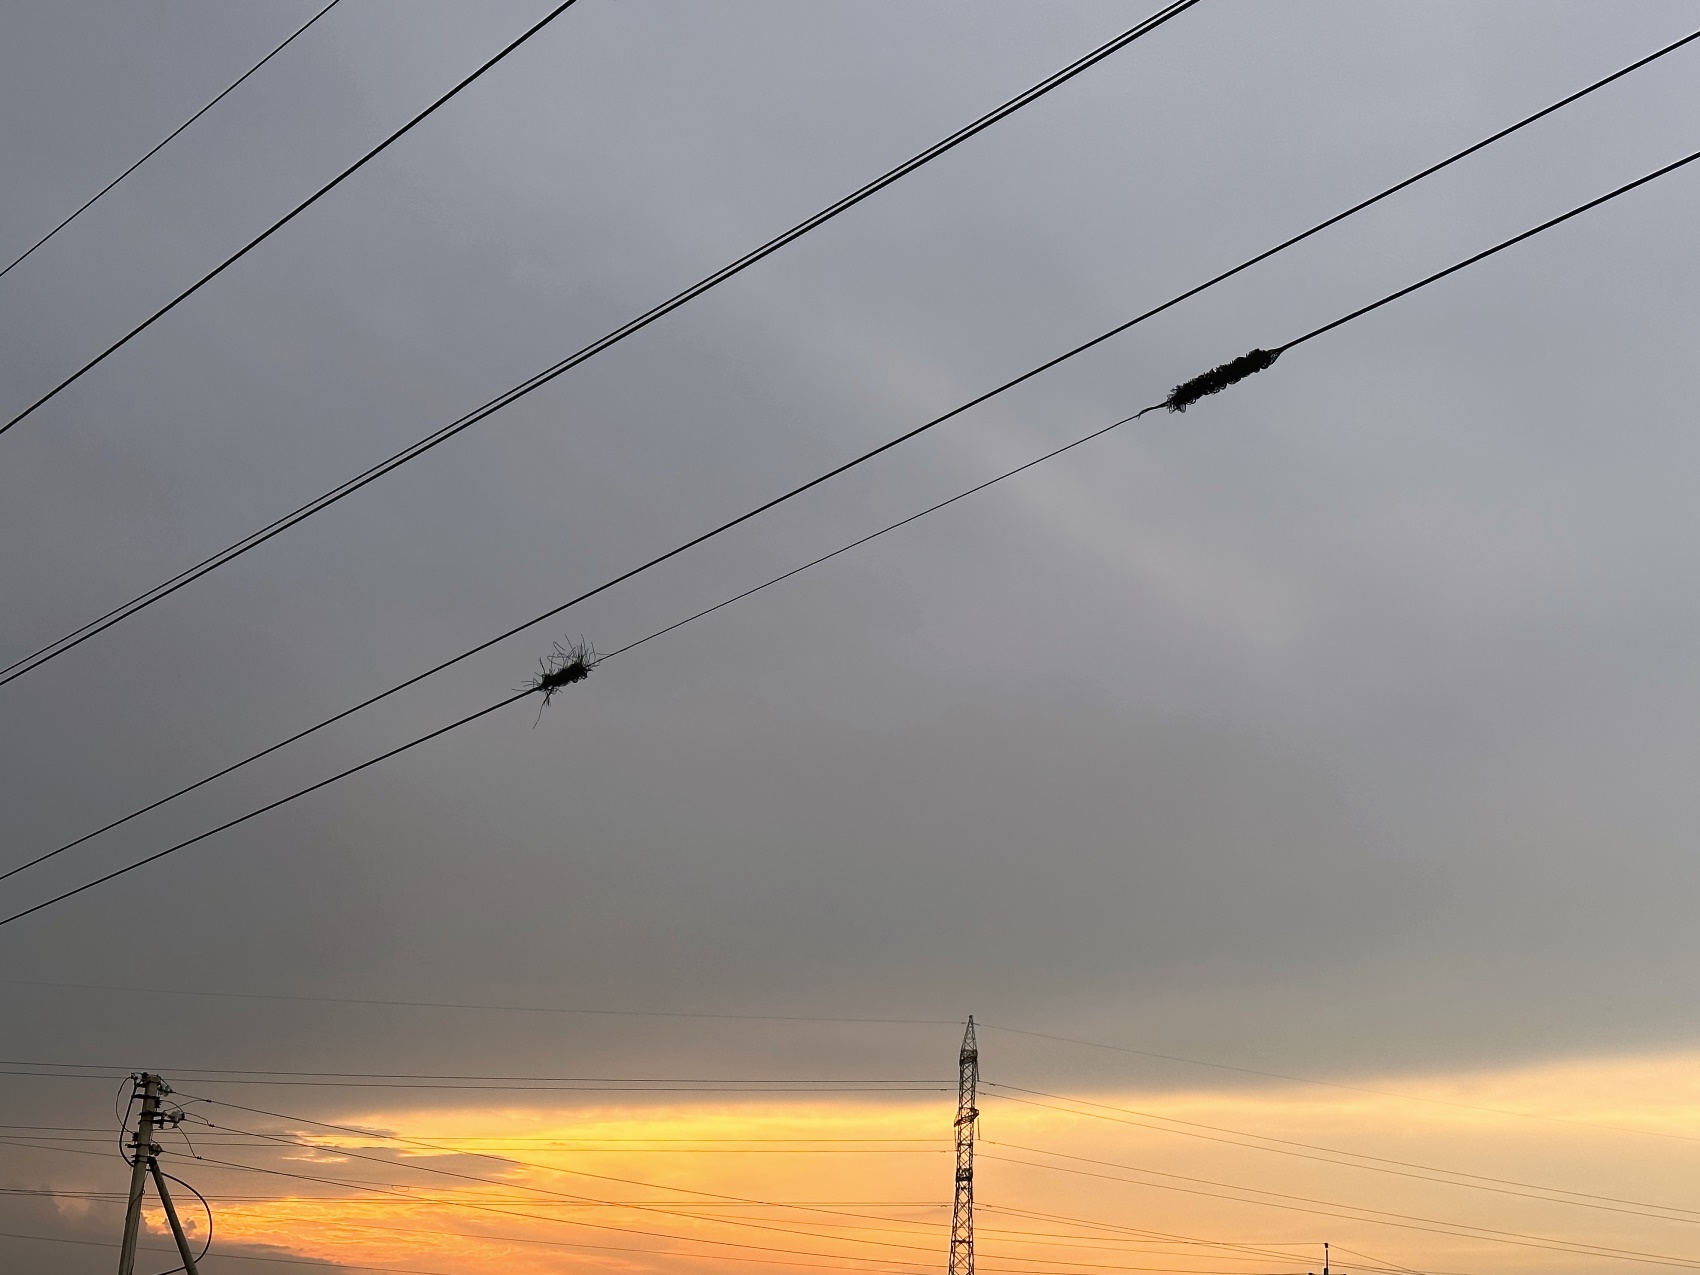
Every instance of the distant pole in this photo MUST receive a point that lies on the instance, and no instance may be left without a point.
(144, 1161)
(962, 1214)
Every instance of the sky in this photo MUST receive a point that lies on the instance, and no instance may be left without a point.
(1341, 728)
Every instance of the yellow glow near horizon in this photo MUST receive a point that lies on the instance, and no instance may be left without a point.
(866, 1185)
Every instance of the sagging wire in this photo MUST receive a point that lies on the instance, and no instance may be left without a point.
(207, 1208)
(1179, 398)
(164, 1119)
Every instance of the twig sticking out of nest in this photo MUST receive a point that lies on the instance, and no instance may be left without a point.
(1218, 379)
(564, 666)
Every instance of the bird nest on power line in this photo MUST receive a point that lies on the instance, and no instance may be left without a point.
(1218, 379)
(562, 667)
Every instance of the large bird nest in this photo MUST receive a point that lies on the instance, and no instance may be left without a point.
(563, 666)
(1218, 379)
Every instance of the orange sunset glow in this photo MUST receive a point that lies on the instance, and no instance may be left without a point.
(743, 637)
(1202, 1182)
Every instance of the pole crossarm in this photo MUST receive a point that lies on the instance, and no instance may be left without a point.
(144, 1163)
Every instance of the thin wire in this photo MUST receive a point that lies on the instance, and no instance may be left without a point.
(550, 1139)
(1488, 252)
(816, 1235)
(715, 1196)
(195, 1074)
(1335, 1084)
(517, 695)
(343, 1150)
(1381, 1164)
(79, 635)
(1143, 1233)
(515, 1009)
(42, 858)
(515, 1239)
(173, 133)
(634, 1088)
(203, 1199)
(281, 801)
(16, 670)
(285, 219)
(239, 1257)
(226, 1198)
(597, 1226)
(1360, 1213)
(1328, 327)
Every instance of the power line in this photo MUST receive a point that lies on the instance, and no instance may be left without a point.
(465, 1005)
(63, 1139)
(483, 1203)
(1072, 1263)
(511, 632)
(1380, 1164)
(19, 667)
(164, 589)
(237, 1257)
(1142, 1234)
(288, 217)
(118, 614)
(1359, 1213)
(1335, 1084)
(173, 133)
(636, 1090)
(558, 1221)
(513, 1239)
(195, 1074)
(227, 1198)
(518, 695)
(424, 1144)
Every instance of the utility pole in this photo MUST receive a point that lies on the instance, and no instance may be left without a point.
(962, 1213)
(144, 1163)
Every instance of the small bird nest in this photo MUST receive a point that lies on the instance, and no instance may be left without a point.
(563, 666)
(1218, 379)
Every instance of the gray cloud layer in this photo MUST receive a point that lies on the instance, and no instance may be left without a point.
(1343, 723)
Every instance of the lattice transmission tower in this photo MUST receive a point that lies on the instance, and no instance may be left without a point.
(962, 1214)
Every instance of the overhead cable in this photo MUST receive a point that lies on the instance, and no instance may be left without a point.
(160, 145)
(541, 1217)
(77, 636)
(1335, 1084)
(237, 1257)
(468, 1005)
(518, 695)
(193, 1074)
(1345, 1159)
(283, 221)
(1358, 1213)
(719, 1197)
(24, 666)
(343, 1150)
